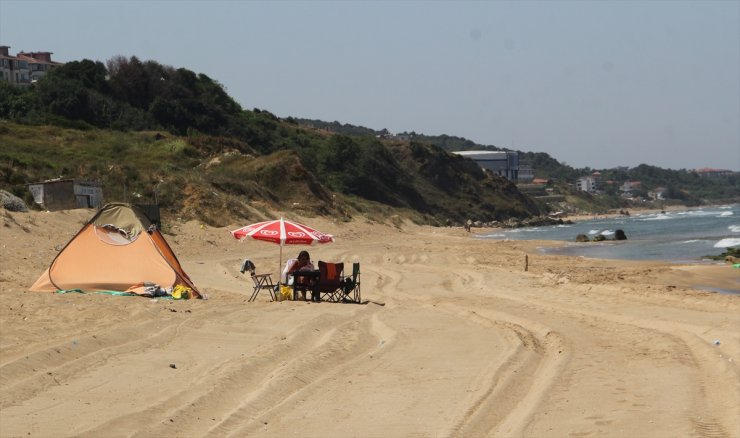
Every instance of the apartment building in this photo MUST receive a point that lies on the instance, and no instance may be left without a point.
(591, 183)
(24, 68)
(586, 184)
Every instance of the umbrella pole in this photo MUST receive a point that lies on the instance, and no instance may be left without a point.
(280, 264)
(282, 235)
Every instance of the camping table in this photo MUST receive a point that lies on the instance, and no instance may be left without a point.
(309, 275)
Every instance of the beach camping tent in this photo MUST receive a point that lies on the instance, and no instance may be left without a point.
(117, 250)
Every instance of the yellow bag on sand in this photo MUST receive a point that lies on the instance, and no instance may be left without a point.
(181, 292)
(285, 293)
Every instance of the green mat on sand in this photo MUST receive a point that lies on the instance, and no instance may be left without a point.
(106, 292)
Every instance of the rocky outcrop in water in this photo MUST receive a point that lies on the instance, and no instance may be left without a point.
(538, 221)
(618, 235)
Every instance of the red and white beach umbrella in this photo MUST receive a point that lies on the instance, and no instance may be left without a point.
(282, 232)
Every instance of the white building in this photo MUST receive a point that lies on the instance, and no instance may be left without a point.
(586, 184)
(590, 183)
(657, 194)
(501, 163)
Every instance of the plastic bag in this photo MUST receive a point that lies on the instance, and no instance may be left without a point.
(285, 293)
(181, 292)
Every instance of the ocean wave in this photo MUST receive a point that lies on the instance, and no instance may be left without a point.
(727, 243)
(657, 217)
(725, 213)
(602, 232)
(491, 236)
(701, 213)
(527, 230)
(734, 228)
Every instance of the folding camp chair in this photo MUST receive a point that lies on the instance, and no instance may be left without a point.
(330, 282)
(261, 281)
(351, 285)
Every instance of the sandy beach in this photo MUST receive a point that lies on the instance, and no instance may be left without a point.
(455, 339)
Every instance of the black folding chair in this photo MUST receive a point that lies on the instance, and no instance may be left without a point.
(351, 285)
(261, 281)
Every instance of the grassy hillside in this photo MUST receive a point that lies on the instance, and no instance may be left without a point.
(149, 131)
(683, 186)
(220, 179)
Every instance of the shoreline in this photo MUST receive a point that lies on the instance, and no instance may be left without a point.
(641, 211)
(707, 275)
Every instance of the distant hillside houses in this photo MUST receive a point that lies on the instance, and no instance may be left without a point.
(385, 134)
(24, 68)
(658, 194)
(501, 163)
(713, 173)
(593, 184)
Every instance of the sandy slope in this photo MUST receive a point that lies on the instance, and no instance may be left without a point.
(456, 340)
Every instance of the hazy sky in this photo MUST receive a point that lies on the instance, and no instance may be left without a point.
(593, 83)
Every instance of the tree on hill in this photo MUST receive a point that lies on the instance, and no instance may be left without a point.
(127, 95)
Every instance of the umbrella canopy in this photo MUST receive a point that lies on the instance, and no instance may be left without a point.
(282, 232)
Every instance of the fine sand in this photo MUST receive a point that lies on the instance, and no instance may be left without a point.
(456, 338)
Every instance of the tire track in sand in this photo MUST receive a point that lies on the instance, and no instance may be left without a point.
(315, 385)
(710, 418)
(223, 400)
(26, 377)
(516, 385)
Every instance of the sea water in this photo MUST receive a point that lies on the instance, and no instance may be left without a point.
(677, 236)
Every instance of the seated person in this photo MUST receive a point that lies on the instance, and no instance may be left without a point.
(303, 263)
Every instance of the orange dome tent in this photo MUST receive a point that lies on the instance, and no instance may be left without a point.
(117, 250)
